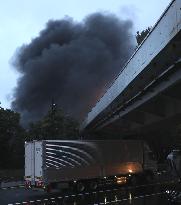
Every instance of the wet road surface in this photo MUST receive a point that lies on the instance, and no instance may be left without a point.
(152, 194)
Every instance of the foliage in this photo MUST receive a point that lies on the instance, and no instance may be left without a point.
(141, 36)
(55, 125)
(11, 140)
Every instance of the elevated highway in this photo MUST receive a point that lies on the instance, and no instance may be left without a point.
(147, 92)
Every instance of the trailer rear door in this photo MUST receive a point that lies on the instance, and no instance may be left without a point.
(29, 163)
(38, 151)
(33, 163)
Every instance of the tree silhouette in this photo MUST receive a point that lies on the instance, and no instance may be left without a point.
(141, 36)
(12, 137)
(54, 125)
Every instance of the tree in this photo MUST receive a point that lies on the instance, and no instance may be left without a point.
(54, 125)
(141, 36)
(11, 140)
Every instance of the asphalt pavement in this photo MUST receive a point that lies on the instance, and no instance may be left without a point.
(150, 194)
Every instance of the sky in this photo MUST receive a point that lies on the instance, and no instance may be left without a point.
(22, 20)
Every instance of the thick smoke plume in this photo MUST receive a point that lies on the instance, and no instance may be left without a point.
(72, 63)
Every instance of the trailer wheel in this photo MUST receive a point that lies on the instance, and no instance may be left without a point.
(48, 188)
(134, 180)
(93, 185)
(80, 187)
(149, 176)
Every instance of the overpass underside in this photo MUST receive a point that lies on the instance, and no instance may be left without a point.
(157, 107)
(152, 101)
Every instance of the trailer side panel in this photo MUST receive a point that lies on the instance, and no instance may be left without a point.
(74, 160)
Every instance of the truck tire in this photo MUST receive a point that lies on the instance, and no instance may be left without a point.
(134, 180)
(149, 176)
(93, 185)
(80, 187)
(48, 189)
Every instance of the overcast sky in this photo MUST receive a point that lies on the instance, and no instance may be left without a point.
(21, 20)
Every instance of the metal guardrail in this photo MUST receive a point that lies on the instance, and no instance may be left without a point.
(11, 185)
(11, 174)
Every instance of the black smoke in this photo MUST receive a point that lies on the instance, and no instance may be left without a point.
(71, 62)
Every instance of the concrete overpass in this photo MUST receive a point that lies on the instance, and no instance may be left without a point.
(147, 92)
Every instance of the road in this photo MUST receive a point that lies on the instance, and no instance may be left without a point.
(140, 195)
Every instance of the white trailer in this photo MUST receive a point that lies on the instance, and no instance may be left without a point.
(85, 163)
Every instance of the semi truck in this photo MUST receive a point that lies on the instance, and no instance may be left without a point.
(82, 164)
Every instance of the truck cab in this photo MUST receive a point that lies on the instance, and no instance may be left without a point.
(174, 162)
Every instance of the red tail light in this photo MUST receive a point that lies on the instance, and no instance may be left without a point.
(39, 184)
(27, 184)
